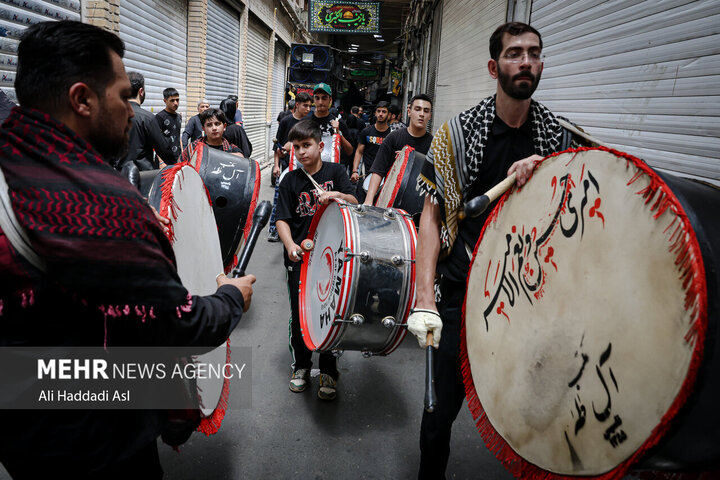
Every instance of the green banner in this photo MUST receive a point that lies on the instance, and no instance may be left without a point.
(344, 17)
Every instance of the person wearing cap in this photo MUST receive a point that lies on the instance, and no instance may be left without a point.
(329, 124)
(194, 129)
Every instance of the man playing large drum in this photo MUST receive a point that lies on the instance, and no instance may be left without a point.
(504, 133)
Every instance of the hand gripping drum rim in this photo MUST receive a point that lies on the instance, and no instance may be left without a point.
(682, 243)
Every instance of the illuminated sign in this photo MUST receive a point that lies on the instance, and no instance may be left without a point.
(364, 73)
(344, 17)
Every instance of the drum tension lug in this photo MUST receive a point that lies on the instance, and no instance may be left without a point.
(364, 255)
(361, 209)
(355, 319)
(389, 214)
(367, 353)
(397, 260)
(389, 322)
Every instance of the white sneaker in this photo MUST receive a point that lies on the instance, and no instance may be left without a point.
(299, 380)
(327, 387)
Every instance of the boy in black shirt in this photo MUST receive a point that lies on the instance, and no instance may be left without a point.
(415, 135)
(170, 121)
(369, 142)
(213, 123)
(328, 123)
(297, 203)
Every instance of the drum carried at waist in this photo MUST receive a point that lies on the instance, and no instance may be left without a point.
(399, 189)
(233, 183)
(358, 283)
(590, 334)
(178, 193)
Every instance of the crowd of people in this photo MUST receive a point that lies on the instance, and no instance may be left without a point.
(88, 105)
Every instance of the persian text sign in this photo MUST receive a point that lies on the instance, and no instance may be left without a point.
(344, 17)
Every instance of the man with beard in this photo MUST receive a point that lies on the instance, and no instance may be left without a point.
(505, 133)
(170, 121)
(145, 135)
(84, 260)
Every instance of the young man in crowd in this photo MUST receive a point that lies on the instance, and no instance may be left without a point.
(74, 117)
(170, 121)
(394, 121)
(369, 142)
(282, 151)
(329, 124)
(194, 129)
(214, 124)
(298, 201)
(415, 135)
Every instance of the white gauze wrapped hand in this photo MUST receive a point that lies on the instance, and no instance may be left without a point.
(421, 321)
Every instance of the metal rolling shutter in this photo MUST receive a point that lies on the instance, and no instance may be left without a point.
(222, 73)
(256, 95)
(157, 49)
(14, 20)
(643, 76)
(278, 85)
(435, 41)
(462, 75)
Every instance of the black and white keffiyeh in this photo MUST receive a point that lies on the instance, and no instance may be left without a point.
(456, 155)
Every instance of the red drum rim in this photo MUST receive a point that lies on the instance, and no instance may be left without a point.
(347, 273)
(168, 208)
(400, 336)
(251, 210)
(405, 152)
(689, 260)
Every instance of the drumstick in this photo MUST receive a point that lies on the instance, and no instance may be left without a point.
(478, 205)
(307, 245)
(260, 219)
(430, 399)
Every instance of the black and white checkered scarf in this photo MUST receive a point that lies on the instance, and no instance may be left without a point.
(456, 155)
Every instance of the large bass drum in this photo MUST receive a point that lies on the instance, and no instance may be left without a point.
(233, 183)
(590, 334)
(331, 148)
(399, 189)
(358, 283)
(178, 194)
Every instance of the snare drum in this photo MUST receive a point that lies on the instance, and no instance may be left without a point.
(399, 190)
(178, 193)
(331, 148)
(358, 284)
(233, 183)
(590, 331)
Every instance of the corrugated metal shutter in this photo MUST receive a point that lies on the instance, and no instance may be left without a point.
(14, 20)
(433, 56)
(643, 76)
(256, 94)
(222, 73)
(463, 79)
(278, 84)
(157, 49)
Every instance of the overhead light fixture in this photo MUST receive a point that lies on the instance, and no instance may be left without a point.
(380, 39)
(308, 58)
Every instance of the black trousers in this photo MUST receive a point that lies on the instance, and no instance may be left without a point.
(302, 356)
(436, 427)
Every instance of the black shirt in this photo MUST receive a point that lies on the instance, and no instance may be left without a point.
(236, 135)
(396, 141)
(170, 126)
(297, 198)
(193, 131)
(505, 146)
(283, 130)
(325, 127)
(372, 138)
(144, 137)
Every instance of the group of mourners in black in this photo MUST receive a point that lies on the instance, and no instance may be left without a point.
(66, 262)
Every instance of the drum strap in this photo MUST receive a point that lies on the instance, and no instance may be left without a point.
(15, 233)
(319, 187)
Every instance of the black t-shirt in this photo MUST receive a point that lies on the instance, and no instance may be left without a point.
(505, 146)
(297, 198)
(396, 141)
(170, 125)
(325, 127)
(283, 130)
(373, 139)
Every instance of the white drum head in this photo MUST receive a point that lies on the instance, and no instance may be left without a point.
(331, 148)
(579, 322)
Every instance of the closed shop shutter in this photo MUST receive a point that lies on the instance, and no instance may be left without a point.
(256, 95)
(435, 40)
(278, 85)
(157, 49)
(643, 76)
(462, 75)
(222, 73)
(13, 22)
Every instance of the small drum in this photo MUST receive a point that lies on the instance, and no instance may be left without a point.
(590, 331)
(358, 284)
(179, 194)
(400, 189)
(366, 182)
(331, 148)
(233, 183)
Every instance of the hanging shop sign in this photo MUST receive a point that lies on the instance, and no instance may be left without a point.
(344, 17)
(363, 73)
(396, 81)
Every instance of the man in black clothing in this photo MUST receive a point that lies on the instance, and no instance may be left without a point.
(416, 136)
(329, 124)
(194, 129)
(170, 121)
(369, 142)
(145, 135)
(394, 121)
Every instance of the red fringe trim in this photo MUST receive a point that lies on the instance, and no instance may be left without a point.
(210, 425)
(253, 203)
(168, 207)
(691, 269)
